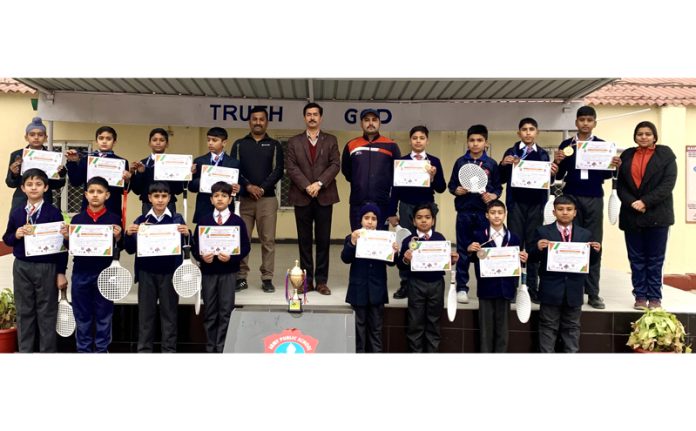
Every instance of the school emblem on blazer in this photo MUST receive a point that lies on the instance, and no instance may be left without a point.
(290, 341)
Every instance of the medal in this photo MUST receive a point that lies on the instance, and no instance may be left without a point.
(568, 151)
(481, 254)
(413, 245)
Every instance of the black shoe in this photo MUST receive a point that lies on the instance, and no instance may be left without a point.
(241, 284)
(268, 286)
(596, 302)
(402, 292)
(534, 296)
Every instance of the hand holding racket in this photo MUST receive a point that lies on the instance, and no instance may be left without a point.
(65, 323)
(115, 282)
(473, 178)
(523, 303)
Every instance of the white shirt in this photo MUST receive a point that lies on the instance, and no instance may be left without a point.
(522, 145)
(219, 156)
(225, 215)
(561, 230)
(36, 212)
(413, 155)
(421, 234)
(313, 141)
(160, 217)
(497, 236)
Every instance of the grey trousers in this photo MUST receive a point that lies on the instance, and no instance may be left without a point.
(218, 298)
(493, 324)
(559, 321)
(590, 216)
(152, 287)
(36, 299)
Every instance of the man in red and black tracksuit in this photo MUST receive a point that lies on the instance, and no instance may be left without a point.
(368, 165)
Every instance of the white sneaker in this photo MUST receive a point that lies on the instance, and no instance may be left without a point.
(462, 297)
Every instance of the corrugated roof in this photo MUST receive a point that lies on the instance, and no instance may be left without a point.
(646, 92)
(9, 85)
(488, 89)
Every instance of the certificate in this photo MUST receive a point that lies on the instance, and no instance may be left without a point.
(109, 169)
(212, 174)
(411, 173)
(595, 155)
(91, 240)
(500, 262)
(530, 174)
(47, 161)
(45, 239)
(376, 244)
(158, 240)
(568, 257)
(218, 239)
(173, 167)
(431, 256)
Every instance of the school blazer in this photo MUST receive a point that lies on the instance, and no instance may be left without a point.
(302, 172)
(560, 288)
(203, 204)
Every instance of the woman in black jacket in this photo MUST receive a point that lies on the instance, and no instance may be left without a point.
(646, 179)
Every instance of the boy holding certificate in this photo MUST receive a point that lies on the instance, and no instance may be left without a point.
(425, 288)
(561, 292)
(78, 170)
(494, 293)
(35, 277)
(92, 311)
(217, 139)
(367, 285)
(144, 172)
(219, 269)
(154, 273)
(36, 138)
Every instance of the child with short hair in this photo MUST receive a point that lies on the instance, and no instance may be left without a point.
(105, 139)
(406, 198)
(471, 207)
(154, 273)
(561, 293)
(217, 139)
(143, 172)
(93, 312)
(494, 293)
(426, 290)
(35, 135)
(367, 285)
(219, 271)
(35, 278)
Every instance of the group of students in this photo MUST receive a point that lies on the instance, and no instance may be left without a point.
(480, 223)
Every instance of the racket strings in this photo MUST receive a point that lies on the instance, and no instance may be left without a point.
(114, 283)
(187, 280)
(473, 178)
(65, 323)
(523, 304)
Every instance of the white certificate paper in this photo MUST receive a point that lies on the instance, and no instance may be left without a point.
(432, 256)
(47, 161)
(158, 240)
(376, 244)
(219, 239)
(212, 174)
(500, 262)
(173, 167)
(94, 240)
(595, 155)
(569, 257)
(531, 174)
(411, 173)
(109, 169)
(45, 239)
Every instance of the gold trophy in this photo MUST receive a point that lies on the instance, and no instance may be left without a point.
(298, 279)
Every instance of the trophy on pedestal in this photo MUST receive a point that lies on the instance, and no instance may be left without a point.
(298, 279)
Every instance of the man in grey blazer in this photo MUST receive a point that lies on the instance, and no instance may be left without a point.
(312, 163)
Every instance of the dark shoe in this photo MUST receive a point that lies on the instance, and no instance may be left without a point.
(534, 296)
(640, 304)
(402, 292)
(655, 303)
(268, 286)
(310, 286)
(241, 284)
(596, 302)
(323, 289)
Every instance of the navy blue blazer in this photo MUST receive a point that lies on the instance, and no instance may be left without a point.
(367, 282)
(494, 287)
(140, 182)
(203, 204)
(77, 175)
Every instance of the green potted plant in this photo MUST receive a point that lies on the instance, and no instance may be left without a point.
(658, 330)
(8, 319)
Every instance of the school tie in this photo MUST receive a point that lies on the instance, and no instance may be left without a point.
(30, 214)
(216, 159)
(566, 234)
(425, 237)
(418, 157)
(219, 219)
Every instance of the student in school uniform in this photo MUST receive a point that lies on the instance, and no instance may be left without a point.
(93, 312)
(219, 270)
(35, 135)
(36, 279)
(154, 273)
(143, 172)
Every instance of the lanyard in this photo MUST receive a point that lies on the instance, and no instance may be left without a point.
(506, 237)
(33, 213)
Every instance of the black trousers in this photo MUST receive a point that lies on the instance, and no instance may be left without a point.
(426, 301)
(590, 216)
(493, 324)
(559, 321)
(218, 298)
(523, 219)
(36, 300)
(314, 224)
(369, 320)
(152, 287)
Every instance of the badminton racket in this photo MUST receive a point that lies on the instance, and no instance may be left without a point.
(65, 323)
(115, 282)
(473, 178)
(452, 295)
(401, 234)
(187, 277)
(523, 303)
(614, 207)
